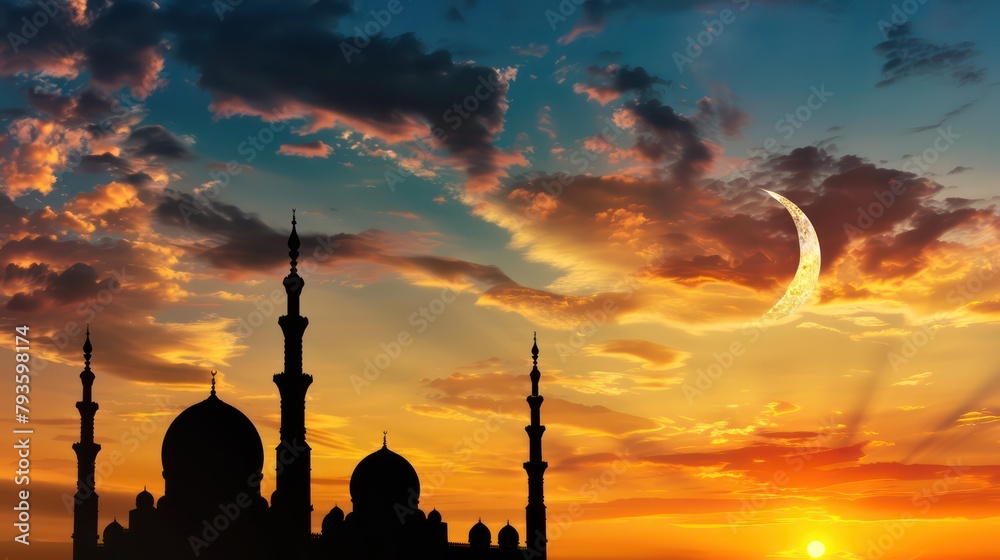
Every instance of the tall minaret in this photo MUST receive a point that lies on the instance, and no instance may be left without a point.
(291, 497)
(85, 500)
(535, 467)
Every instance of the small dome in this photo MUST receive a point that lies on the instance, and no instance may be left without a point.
(333, 520)
(382, 480)
(113, 532)
(480, 535)
(508, 537)
(144, 500)
(434, 516)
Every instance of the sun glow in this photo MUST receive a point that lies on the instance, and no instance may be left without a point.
(816, 549)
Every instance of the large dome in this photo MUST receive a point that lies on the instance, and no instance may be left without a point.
(382, 480)
(211, 444)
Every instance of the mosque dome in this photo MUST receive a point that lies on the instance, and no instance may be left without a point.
(333, 520)
(113, 532)
(382, 480)
(480, 535)
(211, 444)
(144, 500)
(434, 516)
(508, 537)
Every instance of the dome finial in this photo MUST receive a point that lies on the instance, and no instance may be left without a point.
(88, 348)
(384, 434)
(293, 246)
(214, 373)
(534, 348)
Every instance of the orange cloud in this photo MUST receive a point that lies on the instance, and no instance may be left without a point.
(307, 149)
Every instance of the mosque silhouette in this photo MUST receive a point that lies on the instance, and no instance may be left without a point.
(212, 507)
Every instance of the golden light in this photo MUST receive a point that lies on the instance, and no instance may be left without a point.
(816, 549)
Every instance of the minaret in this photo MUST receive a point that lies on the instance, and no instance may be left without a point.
(291, 499)
(85, 500)
(535, 539)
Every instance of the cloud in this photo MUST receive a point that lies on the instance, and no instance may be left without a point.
(664, 135)
(36, 150)
(537, 51)
(316, 148)
(116, 286)
(595, 14)
(475, 394)
(606, 84)
(392, 89)
(155, 141)
(651, 354)
(908, 56)
(118, 44)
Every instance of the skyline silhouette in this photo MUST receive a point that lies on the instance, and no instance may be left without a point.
(213, 460)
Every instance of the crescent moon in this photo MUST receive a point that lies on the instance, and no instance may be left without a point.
(807, 275)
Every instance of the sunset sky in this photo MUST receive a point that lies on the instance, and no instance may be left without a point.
(466, 173)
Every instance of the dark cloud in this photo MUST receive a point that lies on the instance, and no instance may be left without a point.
(31, 274)
(607, 83)
(104, 163)
(52, 49)
(122, 47)
(663, 134)
(234, 239)
(722, 109)
(51, 103)
(294, 65)
(158, 142)
(908, 56)
(624, 79)
(74, 284)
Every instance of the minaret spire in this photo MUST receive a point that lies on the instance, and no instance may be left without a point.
(214, 373)
(291, 497)
(85, 500)
(536, 540)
